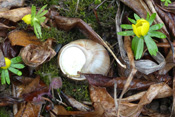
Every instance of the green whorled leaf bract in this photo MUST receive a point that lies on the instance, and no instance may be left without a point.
(156, 34)
(126, 26)
(156, 26)
(16, 59)
(7, 78)
(19, 66)
(147, 17)
(126, 33)
(15, 71)
(3, 77)
(136, 16)
(151, 45)
(137, 46)
(151, 19)
(132, 20)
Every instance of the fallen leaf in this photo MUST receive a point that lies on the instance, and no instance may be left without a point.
(3, 26)
(29, 110)
(33, 55)
(165, 91)
(15, 15)
(9, 50)
(34, 89)
(104, 81)
(169, 64)
(7, 4)
(2, 61)
(22, 38)
(60, 110)
(100, 95)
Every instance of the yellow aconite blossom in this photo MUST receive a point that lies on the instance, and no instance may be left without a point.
(141, 27)
(27, 19)
(7, 62)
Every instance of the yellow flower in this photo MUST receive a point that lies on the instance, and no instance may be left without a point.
(141, 28)
(7, 62)
(27, 19)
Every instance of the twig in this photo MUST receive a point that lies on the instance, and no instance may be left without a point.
(77, 6)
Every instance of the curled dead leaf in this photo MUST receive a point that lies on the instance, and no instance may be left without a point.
(33, 55)
(15, 14)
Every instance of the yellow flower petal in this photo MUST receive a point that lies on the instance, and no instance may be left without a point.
(7, 62)
(27, 19)
(145, 28)
(135, 30)
(141, 27)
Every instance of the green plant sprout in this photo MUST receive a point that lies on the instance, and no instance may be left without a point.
(166, 2)
(12, 65)
(35, 20)
(141, 28)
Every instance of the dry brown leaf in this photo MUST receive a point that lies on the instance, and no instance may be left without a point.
(169, 64)
(15, 15)
(7, 4)
(165, 91)
(29, 110)
(147, 98)
(3, 26)
(137, 6)
(100, 95)
(23, 38)
(33, 55)
(2, 61)
(61, 111)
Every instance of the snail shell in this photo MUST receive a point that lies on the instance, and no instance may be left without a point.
(85, 56)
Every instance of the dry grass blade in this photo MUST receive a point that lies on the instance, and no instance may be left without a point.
(127, 44)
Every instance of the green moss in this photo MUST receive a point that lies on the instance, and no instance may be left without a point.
(4, 112)
(77, 89)
(60, 36)
(48, 70)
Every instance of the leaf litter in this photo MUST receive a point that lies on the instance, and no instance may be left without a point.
(34, 93)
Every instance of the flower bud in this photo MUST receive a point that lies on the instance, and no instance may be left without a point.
(27, 19)
(141, 27)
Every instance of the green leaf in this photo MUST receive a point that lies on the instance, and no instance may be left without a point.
(151, 45)
(41, 10)
(136, 16)
(19, 66)
(7, 78)
(15, 71)
(137, 46)
(42, 14)
(132, 20)
(37, 30)
(157, 34)
(147, 17)
(151, 19)
(3, 77)
(126, 26)
(33, 11)
(42, 19)
(156, 26)
(16, 59)
(126, 33)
